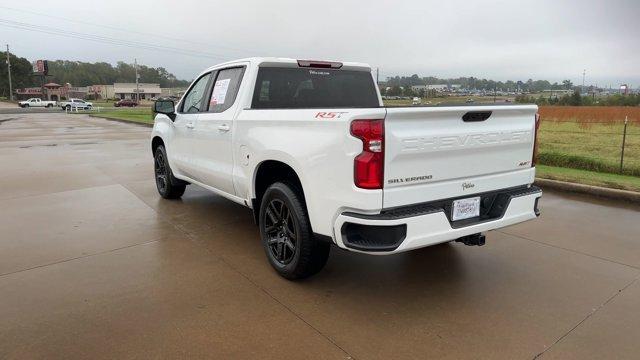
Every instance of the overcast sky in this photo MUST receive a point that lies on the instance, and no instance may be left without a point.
(543, 39)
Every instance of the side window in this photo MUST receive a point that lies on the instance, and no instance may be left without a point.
(225, 89)
(193, 100)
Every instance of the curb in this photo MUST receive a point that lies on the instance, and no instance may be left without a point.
(615, 194)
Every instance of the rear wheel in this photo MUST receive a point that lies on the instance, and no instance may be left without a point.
(168, 186)
(286, 234)
(49, 105)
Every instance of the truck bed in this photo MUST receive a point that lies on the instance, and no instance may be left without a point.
(435, 152)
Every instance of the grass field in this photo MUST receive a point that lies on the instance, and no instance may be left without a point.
(137, 115)
(590, 114)
(590, 139)
(614, 181)
(109, 103)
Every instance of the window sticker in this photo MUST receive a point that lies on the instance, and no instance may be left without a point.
(220, 92)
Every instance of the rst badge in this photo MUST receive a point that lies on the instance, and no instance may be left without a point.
(330, 115)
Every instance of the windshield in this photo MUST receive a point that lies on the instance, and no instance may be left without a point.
(296, 88)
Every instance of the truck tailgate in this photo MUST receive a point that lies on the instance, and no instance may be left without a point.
(432, 153)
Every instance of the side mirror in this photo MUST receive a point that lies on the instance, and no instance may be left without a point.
(167, 107)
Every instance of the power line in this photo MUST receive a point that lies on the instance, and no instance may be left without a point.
(120, 29)
(107, 40)
(103, 39)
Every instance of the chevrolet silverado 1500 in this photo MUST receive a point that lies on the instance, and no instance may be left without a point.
(309, 146)
(35, 102)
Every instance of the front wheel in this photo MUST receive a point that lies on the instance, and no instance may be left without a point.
(286, 233)
(168, 186)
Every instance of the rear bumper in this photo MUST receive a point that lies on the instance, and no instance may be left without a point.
(411, 227)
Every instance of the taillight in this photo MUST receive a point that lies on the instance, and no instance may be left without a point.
(368, 166)
(534, 157)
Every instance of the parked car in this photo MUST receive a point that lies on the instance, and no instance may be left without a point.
(74, 104)
(416, 101)
(35, 102)
(311, 149)
(125, 102)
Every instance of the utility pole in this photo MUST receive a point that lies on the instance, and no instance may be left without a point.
(377, 76)
(9, 69)
(135, 61)
(584, 72)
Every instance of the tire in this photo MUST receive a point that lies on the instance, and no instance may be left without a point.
(286, 233)
(68, 107)
(49, 105)
(168, 186)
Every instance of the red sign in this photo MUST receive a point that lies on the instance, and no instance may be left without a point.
(33, 91)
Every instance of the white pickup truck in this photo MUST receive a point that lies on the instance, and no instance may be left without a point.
(75, 104)
(309, 146)
(35, 102)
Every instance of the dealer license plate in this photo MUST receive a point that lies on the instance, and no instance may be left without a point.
(465, 208)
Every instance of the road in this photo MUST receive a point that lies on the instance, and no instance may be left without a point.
(12, 108)
(93, 264)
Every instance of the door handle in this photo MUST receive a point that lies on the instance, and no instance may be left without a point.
(223, 128)
(190, 125)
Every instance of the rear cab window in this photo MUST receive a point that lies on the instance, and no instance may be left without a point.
(297, 88)
(225, 89)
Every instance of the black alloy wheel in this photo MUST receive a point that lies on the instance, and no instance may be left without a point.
(280, 229)
(168, 186)
(162, 177)
(286, 234)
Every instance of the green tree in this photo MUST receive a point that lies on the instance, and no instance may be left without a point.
(82, 74)
(21, 74)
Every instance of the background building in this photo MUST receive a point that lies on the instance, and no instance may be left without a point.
(128, 90)
(438, 88)
(50, 91)
(100, 91)
(177, 92)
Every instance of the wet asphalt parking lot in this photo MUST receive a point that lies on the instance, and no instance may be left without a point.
(94, 264)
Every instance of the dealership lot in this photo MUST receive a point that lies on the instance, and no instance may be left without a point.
(94, 264)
